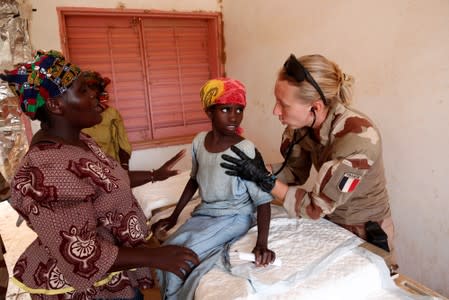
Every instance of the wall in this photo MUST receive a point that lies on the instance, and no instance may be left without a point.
(398, 53)
(45, 35)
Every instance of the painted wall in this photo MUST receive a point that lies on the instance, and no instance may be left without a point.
(398, 53)
(45, 35)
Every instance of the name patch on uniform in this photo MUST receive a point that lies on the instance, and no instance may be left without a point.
(348, 182)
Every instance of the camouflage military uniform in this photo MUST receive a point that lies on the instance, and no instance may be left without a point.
(347, 153)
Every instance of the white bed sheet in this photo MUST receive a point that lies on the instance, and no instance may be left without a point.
(319, 261)
(161, 193)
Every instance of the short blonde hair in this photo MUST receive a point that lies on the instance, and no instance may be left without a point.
(336, 85)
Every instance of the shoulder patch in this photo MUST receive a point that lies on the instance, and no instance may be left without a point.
(348, 182)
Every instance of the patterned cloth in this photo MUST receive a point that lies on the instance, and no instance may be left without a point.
(5, 190)
(81, 206)
(5, 193)
(4, 277)
(48, 75)
(225, 213)
(351, 186)
(222, 91)
(110, 134)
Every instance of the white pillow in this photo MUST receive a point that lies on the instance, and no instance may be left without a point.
(161, 193)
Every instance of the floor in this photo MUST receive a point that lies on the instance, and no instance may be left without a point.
(16, 239)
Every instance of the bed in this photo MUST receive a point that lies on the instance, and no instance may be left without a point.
(320, 260)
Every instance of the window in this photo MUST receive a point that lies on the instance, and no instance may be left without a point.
(157, 63)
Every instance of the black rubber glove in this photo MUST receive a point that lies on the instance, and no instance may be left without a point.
(252, 169)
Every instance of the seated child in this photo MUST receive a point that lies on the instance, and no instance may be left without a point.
(228, 203)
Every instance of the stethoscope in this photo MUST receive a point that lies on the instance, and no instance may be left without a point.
(295, 141)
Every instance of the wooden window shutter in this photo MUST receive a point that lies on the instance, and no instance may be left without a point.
(111, 46)
(157, 65)
(177, 56)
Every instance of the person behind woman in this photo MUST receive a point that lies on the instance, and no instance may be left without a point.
(228, 203)
(323, 131)
(110, 134)
(90, 229)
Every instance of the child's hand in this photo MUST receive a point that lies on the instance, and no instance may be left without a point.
(163, 224)
(264, 256)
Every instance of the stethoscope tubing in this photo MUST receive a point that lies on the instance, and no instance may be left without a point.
(293, 143)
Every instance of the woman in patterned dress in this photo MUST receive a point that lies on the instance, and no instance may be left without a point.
(91, 231)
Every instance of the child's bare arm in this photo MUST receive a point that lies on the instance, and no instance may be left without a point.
(186, 196)
(264, 256)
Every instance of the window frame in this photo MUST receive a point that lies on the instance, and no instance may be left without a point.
(214, 21)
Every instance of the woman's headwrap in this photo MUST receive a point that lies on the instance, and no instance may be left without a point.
(222, 91)
(98, 83)
(48, 75)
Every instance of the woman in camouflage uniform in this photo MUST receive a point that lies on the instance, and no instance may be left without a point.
(342, 144)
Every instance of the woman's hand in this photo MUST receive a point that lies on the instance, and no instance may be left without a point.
(176, 259)
(124, 158)
(252, 169)
(171, 258)
(165, 171)
(264, 256)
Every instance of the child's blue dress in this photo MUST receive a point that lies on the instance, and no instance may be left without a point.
(226, 212)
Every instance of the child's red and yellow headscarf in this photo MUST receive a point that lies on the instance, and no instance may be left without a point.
(222, 91)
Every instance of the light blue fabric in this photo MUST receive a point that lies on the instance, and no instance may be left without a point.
(222, 194)
(226, 213)
(207, 237)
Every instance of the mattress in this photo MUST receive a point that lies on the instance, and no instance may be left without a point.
(320, 260)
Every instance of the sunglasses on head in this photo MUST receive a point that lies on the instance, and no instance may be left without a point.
(294, 69)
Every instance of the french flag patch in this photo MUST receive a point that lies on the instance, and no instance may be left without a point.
(348, 182)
